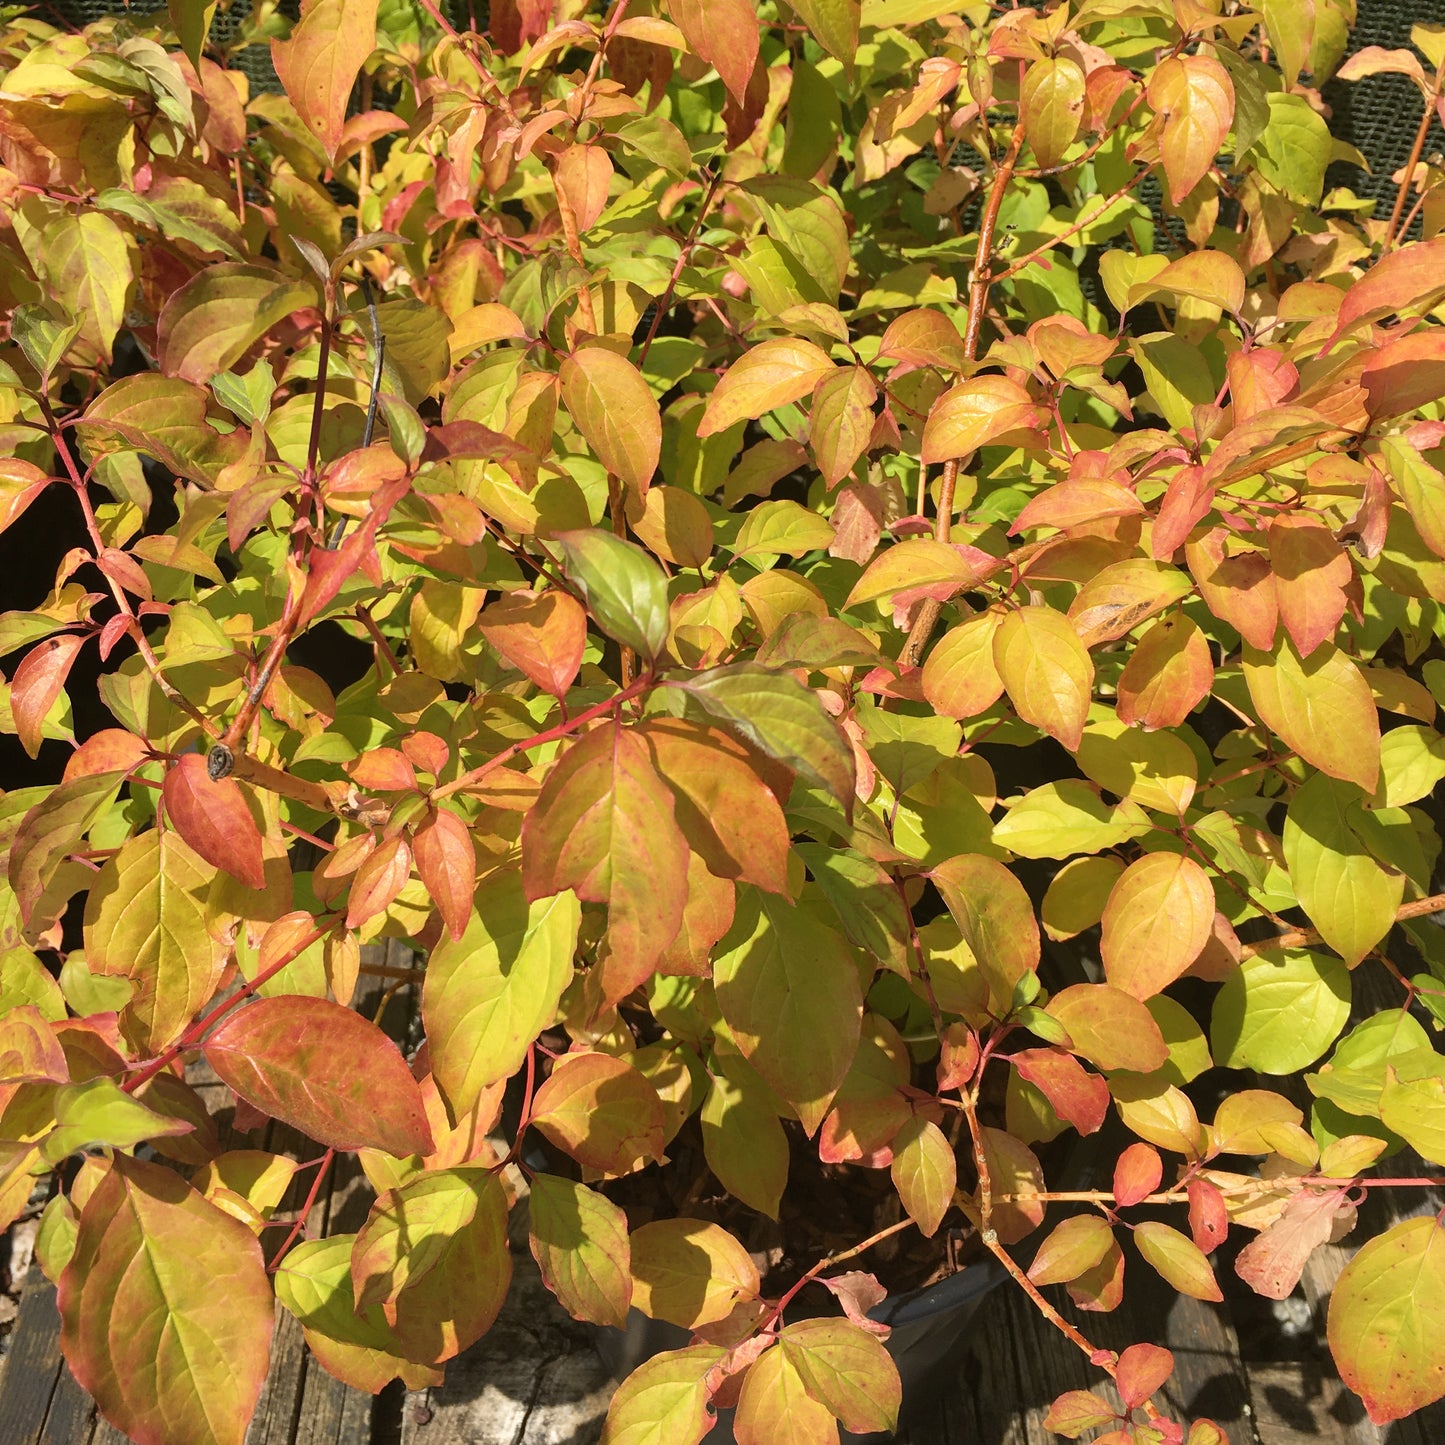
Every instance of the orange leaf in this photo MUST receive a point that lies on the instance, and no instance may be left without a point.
(768, 376)
(615, 411)
(446, 860)
(583, 175)
(320, 61)
(214, 818)
(1167, 676)
(540, 634)
(378, 880)
(1109, 1028)
(602, 1112)
(975, 413)
(1311, 573)
(1194, 98)
(37, 682)
(1137, 1174)
(1405, 375)
(725, 34)
(1158, 918)
(604, 825)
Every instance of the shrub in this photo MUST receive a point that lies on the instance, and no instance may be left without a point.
(819, 489)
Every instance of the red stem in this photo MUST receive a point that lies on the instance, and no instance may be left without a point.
(305, 1210)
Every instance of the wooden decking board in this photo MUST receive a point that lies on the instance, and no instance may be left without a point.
(32, 1368)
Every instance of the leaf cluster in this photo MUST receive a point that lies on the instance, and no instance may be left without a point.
(900, 554)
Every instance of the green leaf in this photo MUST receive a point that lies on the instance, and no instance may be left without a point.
(1412, 763)
(865, 900)
(1349, 896)
(615, 411)
(622, 587)
(145, 921)
(834, 24)
(665, 1401)
(100, 1112)
(1415, 1110)
(1077, 894)
(1177, 1259)
(87, 261)
(1294, 150)
(1280, 1011)
(604, 826)
(779, 716)
(925, 1173)
(1060, 819)
(847, 1369)
(1051, 105)
(359, 1347)
(744, 1143)
(192, 20)
(995, 918)
(907, 749)
(788, 989)
(165, 1309)
(433, 1255)
(781, 529)
(488, 994)
(1386, 1315)
(1320, 706)
(579, 1240)
(1046, 671)
(689, 1272)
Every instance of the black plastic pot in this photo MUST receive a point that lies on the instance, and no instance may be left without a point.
(927, 1326)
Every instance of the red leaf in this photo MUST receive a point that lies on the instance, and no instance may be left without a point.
(20, 483)
(213, 817)
(1186, 503)
(1208, 1217)
(323, 1070)
(446, 859)
(38, 682)
(1141, 1370)
(1137, 1174)
(1078, 1097)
